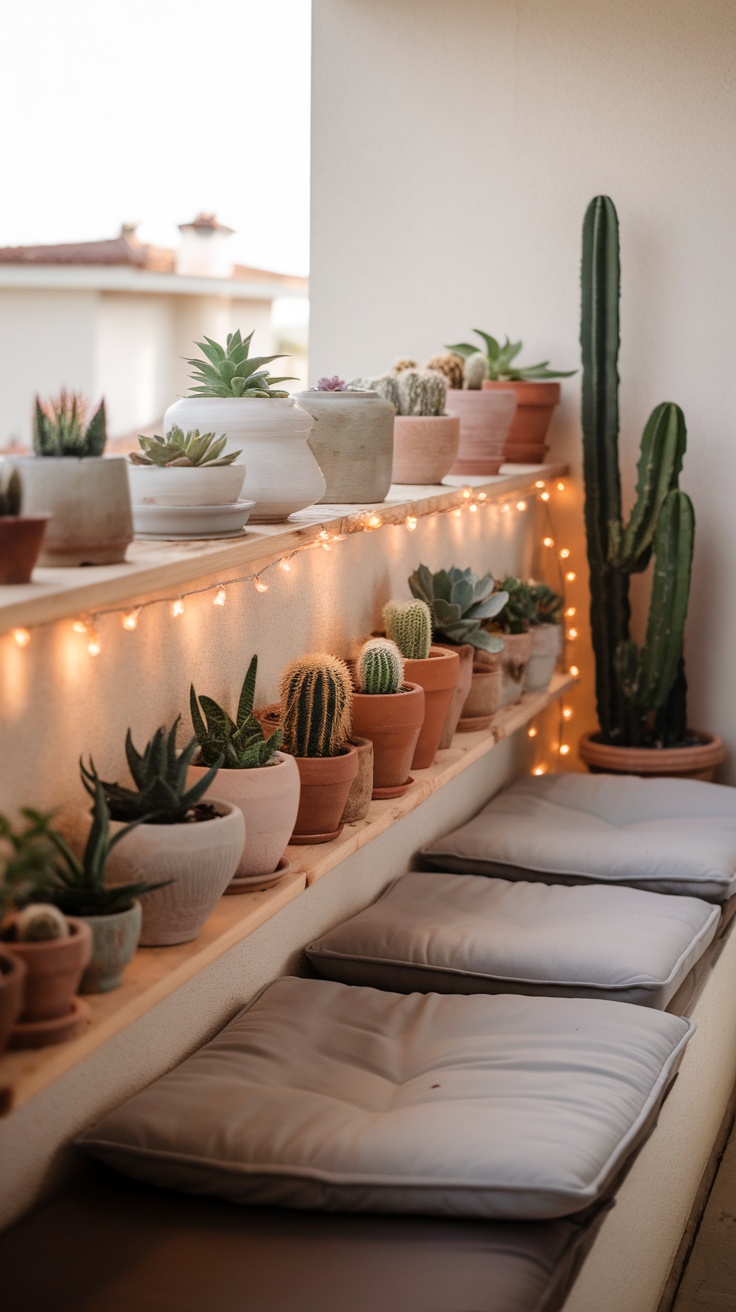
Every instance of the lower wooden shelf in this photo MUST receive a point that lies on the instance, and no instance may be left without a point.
(156, 973)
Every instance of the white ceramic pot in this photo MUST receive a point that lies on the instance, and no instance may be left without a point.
(88, 499)
(545, 653)
(269, 800)
(200, 859)
(152, 485)
(282, 475)
(353, 441)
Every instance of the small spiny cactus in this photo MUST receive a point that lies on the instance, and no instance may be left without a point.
(399, 366)
(386, 385)
(380, 667)
(40, 922)
(316, 696)
(422, 392)
(409, 625)
(11, 495)
(450, 365)
(475, 370)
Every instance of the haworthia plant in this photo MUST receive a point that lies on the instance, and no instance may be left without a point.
(60, 427)
(379, 668)
(409, 625)
(316, 697)
(239, 744)
(159, 774)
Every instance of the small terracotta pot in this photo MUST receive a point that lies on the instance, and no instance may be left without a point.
(485, 419)
(20, 542)
(114, 941)
(268, 797)
(527, 436)
(697, 761)
(438, 676)
(393, 722)
(359, 797)
(12, 986)
(514, 659)
(425, 448)
(466, 655)
(484, 698)
(326, 783)
(55, 967)
(545, 652)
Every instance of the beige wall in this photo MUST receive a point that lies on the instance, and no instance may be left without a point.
(455, 149)
(134, 358)
(47, 341)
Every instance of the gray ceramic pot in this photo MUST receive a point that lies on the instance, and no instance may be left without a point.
(353, 443)
(114, 940)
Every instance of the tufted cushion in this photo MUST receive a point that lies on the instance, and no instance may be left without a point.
(322, 1096)
(462, 934)
(664, 835)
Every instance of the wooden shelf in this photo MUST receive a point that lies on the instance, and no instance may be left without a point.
(156, 973)
(162, 567)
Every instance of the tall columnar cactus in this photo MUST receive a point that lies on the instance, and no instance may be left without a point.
(380, 668)
(640, 691)
(421, 392)
(316, 696)
(409, 625)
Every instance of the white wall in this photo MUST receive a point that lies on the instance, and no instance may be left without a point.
(455, 149)
(46, 343)
(134, 358)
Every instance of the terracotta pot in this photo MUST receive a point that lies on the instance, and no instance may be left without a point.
(484, 697)
(326, 783)
(438, 676)
(514, 659)
(527, 437)
(547, 643)
(20, 542)
(268, 797)
(88, 499)
(54, 970)
(359, 797)
(393, 722)
(114, 941)
(352, 441)
(466, 655)
(200, 859)
(485, 419)
(12, 986)
(697, 761)
(425, 448)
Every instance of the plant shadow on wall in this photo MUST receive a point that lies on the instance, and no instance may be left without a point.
(640, 691)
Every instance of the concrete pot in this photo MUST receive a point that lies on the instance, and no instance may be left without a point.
(546, 649)
(465, 654)
(485, 418)
(425, 448)
(54, 968)
(88, 500)
(352, 441)
(114, 941)
(438, 676)
(20, 542)
(12, 987)
(484, 698)
(361, 790)
(281, 474)
(326, 782)
(268, 797)
(151, 485)
(199, 858)
(526, 443)
(393, 722)
(694, 761)
(514, 659)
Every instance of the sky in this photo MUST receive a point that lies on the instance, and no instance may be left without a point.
(151, 111)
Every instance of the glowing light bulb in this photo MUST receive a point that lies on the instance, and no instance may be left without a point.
(177, 607)
(22, 637)
(560, 487)
(325, 546)
(482, 496)
(567, 713)
(521, 505)
(473, 507)
(545, 496)
(571, 610)
(374, 521)
(572, 634)
(457, 513)
(467, 493)
(411, 522)
(130, 621)
(539, 482)
(539, 769)
(93, 646)
(571, 576)
(564, 554)
(574, 671)
(324, 535)
(79, 626)
(505, 507)
(548, 542)
(285, 565)
(532, 732)
(564, 749)
(259, 585)
(220, 597)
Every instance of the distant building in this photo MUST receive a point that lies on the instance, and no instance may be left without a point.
(118, 318)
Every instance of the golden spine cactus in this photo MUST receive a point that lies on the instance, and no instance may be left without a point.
(409, 625)
(316, 699)
(450, 365)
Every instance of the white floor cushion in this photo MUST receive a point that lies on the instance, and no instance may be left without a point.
(464, 934)
(322, 1096)
(665, 835)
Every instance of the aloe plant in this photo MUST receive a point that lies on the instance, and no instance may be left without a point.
(183, 450)
(460, 602)
(160, 794)
(61, 427)
(240, 744)
(228, 370)
(500, 361)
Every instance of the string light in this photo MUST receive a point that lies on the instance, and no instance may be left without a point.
(22, 637)
(545, 496)
(482, 496)
(564, 749)
(411, 522)
(467, 493)
(80, 626)
(520, 505)
(220, 597)
(473, 506)
(548, 542)
(177, 607)
(560, 486)
(574, 671)
(505, 508)
(539, 769)
(565, 553)
(130, 619)
(93, 646)
(571, 576)
(567, 713)
(540, 483)
(572, 634)
(457, 513)
(571, 610)
(325, 546)
(285, 564)
(374, 521)
(259, 585)
(532, 732)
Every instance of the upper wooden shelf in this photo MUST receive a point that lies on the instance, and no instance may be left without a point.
(153, 567)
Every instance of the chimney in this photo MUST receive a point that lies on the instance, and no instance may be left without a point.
(204, 250)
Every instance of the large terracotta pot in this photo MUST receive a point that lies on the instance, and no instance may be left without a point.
(326, 783)
(54, 969)
(88, 500)
(12, 985)
(485, 419)
(696, 761)
(438, 676)
(393, 722)
(268, 797)
(466, 655)
(484, 697)
(20, 542)
(425, 448)
(361, 789)
(527, 436)
(546, 649)
(114, 941)
(352, 440)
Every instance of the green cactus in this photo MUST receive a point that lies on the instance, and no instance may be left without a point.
(160, 795)
(239, 744)
(387, 386)
(421, 392)
(450, 365)
(475, 371)
(379, 668)
(460, 602)
(640, 692)
(409, 625)
(60, 427)
(11, 495)
(316, 696)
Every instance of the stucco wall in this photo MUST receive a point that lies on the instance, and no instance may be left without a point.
(455, 149)
(46, 343)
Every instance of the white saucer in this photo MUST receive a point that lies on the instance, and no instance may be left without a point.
(180, 523)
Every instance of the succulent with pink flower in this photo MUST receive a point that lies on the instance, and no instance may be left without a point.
(333, 384)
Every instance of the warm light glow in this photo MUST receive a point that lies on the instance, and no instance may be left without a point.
(130, 620)
(574, 671)
(259, 585)
(571, 576)
(539, 482)
(532, 732)
(325, 546)
(22, 637)
(467, 493)
(482, 496)
(521, 505)
(177, 607)
(539, 769)
(548, 542)
(375, 521)
(567, 713)
(324, 535)
(564, 749)
(560, 487)
(285, 565)
(473, 506)
(572, 634)
(564, 553)
(79, 626)
(411, 522)
(505, 507)
(457, 513)
(93, 646)
(571, 610)
(220, 597)
(545, 496)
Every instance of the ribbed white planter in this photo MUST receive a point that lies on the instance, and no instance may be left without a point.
(200, 859)
(545, 653)
(282, 475)
(89, 503)
(152, 485)
(269, 800)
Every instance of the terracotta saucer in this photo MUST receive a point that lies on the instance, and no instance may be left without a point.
(40, 1033)
(301, 840)
(470, 723)
(251, 883)
(398, 790)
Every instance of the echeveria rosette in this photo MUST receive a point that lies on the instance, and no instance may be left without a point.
(460, 602)
(333, 384)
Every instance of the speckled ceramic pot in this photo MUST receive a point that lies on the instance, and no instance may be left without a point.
(353, 442)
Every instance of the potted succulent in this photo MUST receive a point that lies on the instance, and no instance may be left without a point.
(536, 393)
(352, 440)
(258, 778)
(182, 485)
(640, 691)
(234, 395)
(86, 495)
(514, 621)
(547, 636)
(426, 438)
(189, 847)
(316, 697)
(20, 535)
(390, 712)
(435, 669)
(460, 602)
(484, 417)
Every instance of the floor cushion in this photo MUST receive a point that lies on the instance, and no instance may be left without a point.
(664, 835)
(323, 1096)
(462, 934)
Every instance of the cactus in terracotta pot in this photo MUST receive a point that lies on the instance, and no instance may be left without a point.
(316, 700)
(379, 668)
(388, 711)
(435, 669)
(409, 625)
